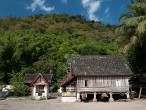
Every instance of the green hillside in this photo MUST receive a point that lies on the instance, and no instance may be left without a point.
(44, 43)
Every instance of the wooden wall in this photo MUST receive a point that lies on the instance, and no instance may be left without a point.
(71, 87)
(103, 84)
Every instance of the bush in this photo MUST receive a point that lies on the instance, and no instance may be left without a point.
(17, 81)
(55, 87)
(32, 97)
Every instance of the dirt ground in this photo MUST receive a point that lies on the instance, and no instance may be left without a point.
(56, 104)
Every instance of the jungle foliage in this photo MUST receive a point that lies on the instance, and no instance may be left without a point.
(44, 43)
(132, 35)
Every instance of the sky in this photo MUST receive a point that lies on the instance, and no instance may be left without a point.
(105, 11)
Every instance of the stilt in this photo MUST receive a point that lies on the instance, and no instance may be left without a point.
(94, 99)
(140, 92)
(78, 97)
(127, 94)
(111, 97)
(131, 93)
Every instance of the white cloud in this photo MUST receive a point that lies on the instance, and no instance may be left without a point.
(92, 6)
(106, 10)
(64, 1)
(41, 4)
(106, 13)
(107, 17)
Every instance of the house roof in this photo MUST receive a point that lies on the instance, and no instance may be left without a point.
(31, 78)
(69, 79)
(100, 65)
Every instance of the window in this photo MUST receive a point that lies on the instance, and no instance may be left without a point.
(41, 88)
(86, 83)
(118, 83)
(70, 88)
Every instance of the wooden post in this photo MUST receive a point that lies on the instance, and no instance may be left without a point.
(111, 97)
(128, 97)
(140, 92)
(78, 97)
(94, 99)
(131, 93)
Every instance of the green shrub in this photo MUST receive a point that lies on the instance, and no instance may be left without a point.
(55, 87)
(20, 89)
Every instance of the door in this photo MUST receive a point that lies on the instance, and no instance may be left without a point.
(40, 90)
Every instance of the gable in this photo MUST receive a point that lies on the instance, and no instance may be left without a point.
(100, 65)
(36, 78)
(40, 79)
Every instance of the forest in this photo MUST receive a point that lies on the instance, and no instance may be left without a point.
(45, 43)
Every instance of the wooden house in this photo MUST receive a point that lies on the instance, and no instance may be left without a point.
(96, 76)
(39, 84)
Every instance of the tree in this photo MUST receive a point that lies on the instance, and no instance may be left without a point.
(133, 25)
(1, 77)
(26, 46)
(132, 34)
(18, 82)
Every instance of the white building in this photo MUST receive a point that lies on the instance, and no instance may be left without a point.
(39, 84)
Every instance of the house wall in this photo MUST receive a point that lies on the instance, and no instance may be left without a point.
(102, 84)
(45, 93)
(34, 91)
(69, 92)
(46, 90)
(70, 87)
(68, 99)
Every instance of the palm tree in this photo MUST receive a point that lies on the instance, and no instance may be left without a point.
(132, 30)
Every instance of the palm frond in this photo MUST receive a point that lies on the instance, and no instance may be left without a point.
(141, 28)
(120, 30)
(134, 39)
(128, 47)
(138, 5)
(133, 21)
